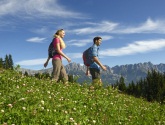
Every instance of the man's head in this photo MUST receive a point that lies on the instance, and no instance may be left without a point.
(97, 40)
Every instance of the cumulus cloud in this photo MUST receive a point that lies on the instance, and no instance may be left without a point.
(134, 48)
(36, 40)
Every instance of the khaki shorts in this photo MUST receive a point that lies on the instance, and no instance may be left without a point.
(59, 72)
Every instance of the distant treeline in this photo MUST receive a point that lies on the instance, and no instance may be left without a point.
(7, 62)
(151, 88)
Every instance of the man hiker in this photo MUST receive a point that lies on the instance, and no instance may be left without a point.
(94, 68)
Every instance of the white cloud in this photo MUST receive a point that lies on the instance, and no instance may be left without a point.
(40, 8)
(35, 62)
(36, 40)
(136, 47)
(84, 42)
(79, 43)
(149, 26)
(104, 26)
(32, 62)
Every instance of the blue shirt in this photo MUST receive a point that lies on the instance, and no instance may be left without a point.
(94, 54)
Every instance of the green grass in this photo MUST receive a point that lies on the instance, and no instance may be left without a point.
(28, 100)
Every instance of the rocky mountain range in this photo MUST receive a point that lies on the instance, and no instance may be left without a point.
(130, 72)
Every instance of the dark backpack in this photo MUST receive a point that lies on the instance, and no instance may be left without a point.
(87, 56)
(51, 50)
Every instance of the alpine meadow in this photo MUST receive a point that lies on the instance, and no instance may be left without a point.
(39, 101)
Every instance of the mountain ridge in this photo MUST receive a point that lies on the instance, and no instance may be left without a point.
(130, 72)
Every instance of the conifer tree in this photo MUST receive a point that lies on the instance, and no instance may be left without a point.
(1, 63)
(6, 62)
(10, 62)
(122, 85)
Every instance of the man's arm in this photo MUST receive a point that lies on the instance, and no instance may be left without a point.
(95, 59)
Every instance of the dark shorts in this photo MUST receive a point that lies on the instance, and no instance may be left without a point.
(95, 73)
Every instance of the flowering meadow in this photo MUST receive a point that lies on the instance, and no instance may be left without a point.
(32, 101)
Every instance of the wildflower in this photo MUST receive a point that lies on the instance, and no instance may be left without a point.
(21, 99)
(94, 121)
(17, 87)
(66, 112)
(74, 109)
(71, 119)
(10, 105)
(24, 108)
(42, 102)
(42, 108)
(2, 111)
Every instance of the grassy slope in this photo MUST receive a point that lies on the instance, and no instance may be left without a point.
(25, 100)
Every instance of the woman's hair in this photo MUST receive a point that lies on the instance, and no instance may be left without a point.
(56, 35)
(58, 31)
(96, 38)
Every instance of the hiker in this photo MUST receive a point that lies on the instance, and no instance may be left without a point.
(58, 68)
(94, 68)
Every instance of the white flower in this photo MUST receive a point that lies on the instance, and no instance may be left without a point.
(42, 102)
(2, 111)
(94, 121)
(10, 105)
(24, 108)
(71, 119)
(74, 109)
(66, 112)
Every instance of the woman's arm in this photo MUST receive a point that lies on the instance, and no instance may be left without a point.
(61, 53)
(46, 63)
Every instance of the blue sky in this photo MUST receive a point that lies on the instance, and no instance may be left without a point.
(133, 31)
